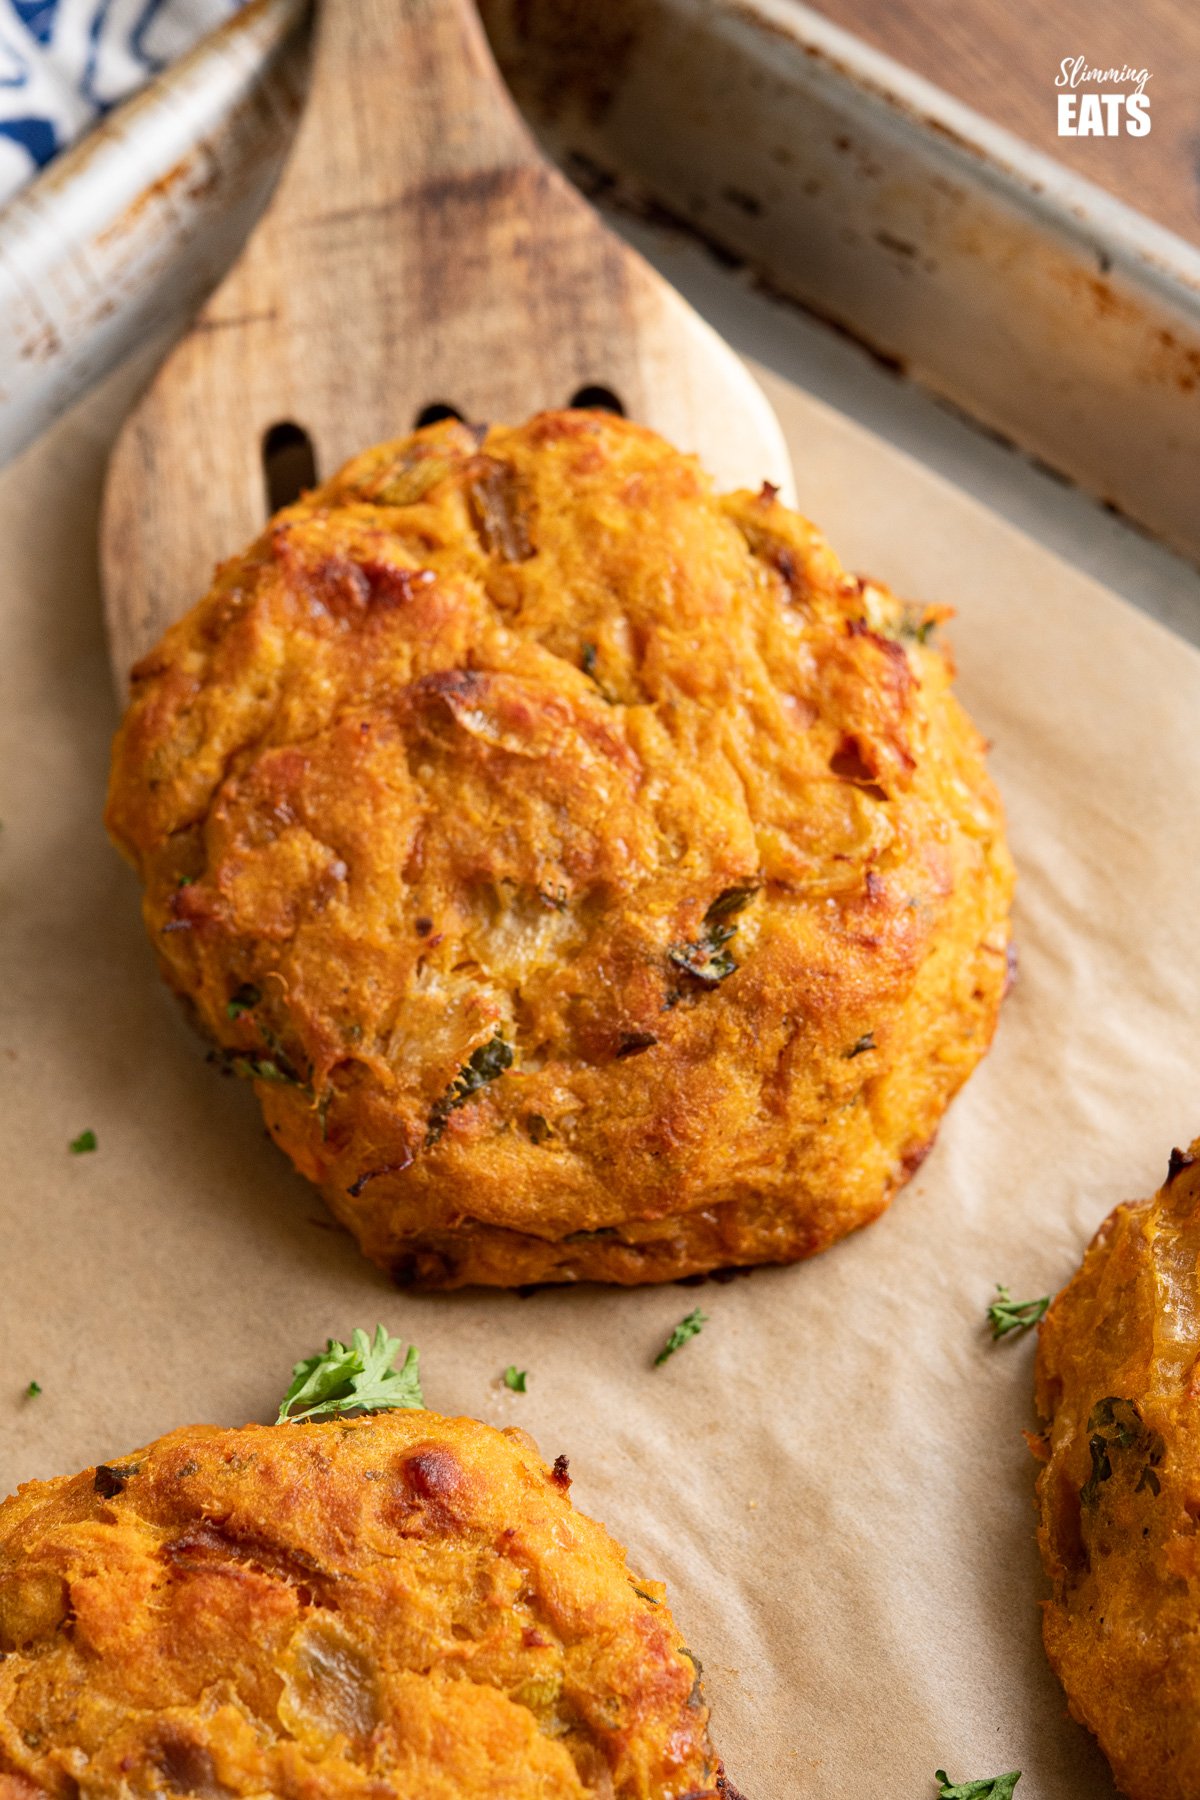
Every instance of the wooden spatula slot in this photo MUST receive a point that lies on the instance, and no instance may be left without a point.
(600, 397)
(289, 463)
(418, 244)
(437, 409)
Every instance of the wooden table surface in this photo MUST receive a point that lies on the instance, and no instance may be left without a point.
(1001, 57)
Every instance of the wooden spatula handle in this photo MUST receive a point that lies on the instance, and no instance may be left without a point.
(404, 94)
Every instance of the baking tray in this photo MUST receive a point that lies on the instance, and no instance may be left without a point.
(1034, 301)
(806, 164)
(124, 235)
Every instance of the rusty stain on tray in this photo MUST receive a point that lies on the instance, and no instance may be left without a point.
(603, 184)
(164, 186)
(43, 347)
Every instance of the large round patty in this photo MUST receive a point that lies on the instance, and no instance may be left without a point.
(399, 1606)
(595, 880)
(1119, 1495)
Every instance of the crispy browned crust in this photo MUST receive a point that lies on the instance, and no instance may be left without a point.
(401, 1605)
(493, 741)
(1118, 1380)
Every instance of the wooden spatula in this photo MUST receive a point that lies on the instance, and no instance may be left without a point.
(418, 253)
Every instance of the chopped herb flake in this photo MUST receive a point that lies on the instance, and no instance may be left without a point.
(993, 1787)
(686, 1328)
(705, 958)
(1006, 1314)
(485, 1064)
(109, 1481)
(265, 1068)
(354, 1377)
(515, 1378)
(245, 998)
(83, 1143)
(728, 904)
(1117, 1425)
(588, 663)
(33, 1390)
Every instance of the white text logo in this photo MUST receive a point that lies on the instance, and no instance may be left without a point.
(1089, 113)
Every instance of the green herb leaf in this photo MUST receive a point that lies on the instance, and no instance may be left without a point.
(83, 1143)
(686, 1328)
(33, 1390)
(1117, 1425)
(515, 1378)
(705, 958)
(485, 1064)
(1006, 1314)
(915, 628)
(588, 663)
(245, 998)
(264, 1068)
(993, 1787)
(729, 903)
(354, 1377)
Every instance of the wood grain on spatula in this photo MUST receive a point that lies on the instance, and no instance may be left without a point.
(419, 249)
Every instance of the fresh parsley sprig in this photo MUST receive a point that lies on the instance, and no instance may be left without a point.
(993, 1787)
(687, 1328)
(1006, 1314)
(354, 1377)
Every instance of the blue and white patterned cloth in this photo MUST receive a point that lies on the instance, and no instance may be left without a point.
(65, 62)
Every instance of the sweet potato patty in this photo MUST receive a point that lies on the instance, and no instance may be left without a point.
(400, 1605)
(1119, 1496)
(593, 878)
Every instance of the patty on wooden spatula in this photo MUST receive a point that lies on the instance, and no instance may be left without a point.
(398, 1605)
(594, 879)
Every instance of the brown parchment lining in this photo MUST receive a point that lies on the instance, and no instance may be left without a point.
(831, 1477)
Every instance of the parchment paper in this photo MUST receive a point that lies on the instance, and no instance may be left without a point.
(831, 1477)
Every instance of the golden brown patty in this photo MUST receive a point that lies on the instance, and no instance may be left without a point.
(595, 880)
(401, 1605)
(1119, 1497)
